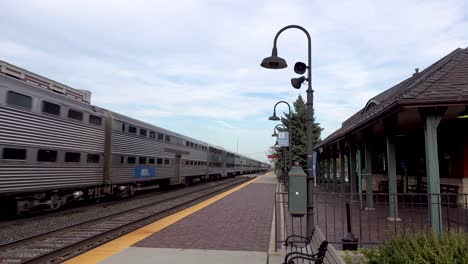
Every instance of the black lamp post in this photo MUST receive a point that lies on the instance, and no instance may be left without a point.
(274, 117)
(275, 62)
(285, 170)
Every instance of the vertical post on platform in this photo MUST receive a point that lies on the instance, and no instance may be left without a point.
(359, 170)
(334, 170)
(390, 125)
(368, 173)
(352, 169)
(342, 166)
(328, 169)
(431, 118)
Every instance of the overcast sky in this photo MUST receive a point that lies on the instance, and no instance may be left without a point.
(193, 66)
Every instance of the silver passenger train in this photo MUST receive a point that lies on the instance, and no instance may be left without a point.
(56, 147)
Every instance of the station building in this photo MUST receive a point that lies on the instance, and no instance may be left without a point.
(412, 137)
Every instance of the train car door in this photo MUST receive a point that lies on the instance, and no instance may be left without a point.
(177, 168)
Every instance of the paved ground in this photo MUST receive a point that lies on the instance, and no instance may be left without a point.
(235, 229)
(240, 221)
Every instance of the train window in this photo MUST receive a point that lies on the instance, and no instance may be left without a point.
(131, 160)
(72, 157)
(142, 160)
(14, 154)
(94, 158)
(150, 161)
(160, 136)
(160, 161)
(123, 127)
(17, 99)
(199, 163)
(191, 162)
(152, 134)
(168, 138)
(122, 159)
(191, 144)
(143, 132)
(187, 162)
(95, 120)
(73, 114)
(47, 155)
(187, 143)
(132, 129)
(166, 161)
(50, 108)
(196, 145)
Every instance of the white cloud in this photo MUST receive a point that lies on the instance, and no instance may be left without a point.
(200, 59)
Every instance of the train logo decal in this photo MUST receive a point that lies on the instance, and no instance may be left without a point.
(144, 172)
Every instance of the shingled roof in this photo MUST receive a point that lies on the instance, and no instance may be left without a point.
(445, 81)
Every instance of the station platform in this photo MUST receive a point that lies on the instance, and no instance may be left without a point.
(232, 227)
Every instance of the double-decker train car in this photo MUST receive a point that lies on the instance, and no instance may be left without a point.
(56, 147)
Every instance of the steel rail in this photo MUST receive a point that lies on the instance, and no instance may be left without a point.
(119, 230)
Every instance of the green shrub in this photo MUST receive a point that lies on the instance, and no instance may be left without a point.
(450, 247)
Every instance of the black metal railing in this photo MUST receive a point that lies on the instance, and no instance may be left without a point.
(373, 225)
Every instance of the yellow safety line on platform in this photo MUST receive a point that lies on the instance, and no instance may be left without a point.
(111, 248)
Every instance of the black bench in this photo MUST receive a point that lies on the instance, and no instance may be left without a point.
(312, 249)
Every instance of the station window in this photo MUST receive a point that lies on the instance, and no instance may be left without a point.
(73, 114)
(14, 154)
(17, 99)
(168, 138)
(150, 161)
(123, 127)
(160, 136)
(50, 108)
(72, 157)
(143, 132)
(142, 160)
(167, 162)
(160, 161)
(132, 129)
(47, 155)
(94, 158)
(131, 160)
(95, 120)
(152, 134)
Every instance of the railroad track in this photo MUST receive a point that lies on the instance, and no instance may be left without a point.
(64, 243)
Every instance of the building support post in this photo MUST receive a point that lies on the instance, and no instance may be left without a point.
(334, 170)
(359, 170)
(328, 169)
(368, 174)
(352, 169)
(390, 131)
(431, 118)
(342, 166)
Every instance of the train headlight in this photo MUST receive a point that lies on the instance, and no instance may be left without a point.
(77, 194)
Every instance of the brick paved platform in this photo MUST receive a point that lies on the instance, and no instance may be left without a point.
(235, 229)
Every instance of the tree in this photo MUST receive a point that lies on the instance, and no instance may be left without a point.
(298, 130)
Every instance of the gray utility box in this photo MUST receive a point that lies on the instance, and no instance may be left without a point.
(297, 195)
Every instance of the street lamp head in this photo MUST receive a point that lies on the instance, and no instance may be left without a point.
(274, 117)
(274, 62)
(300, 68)
(274, 134)
(297, 82)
